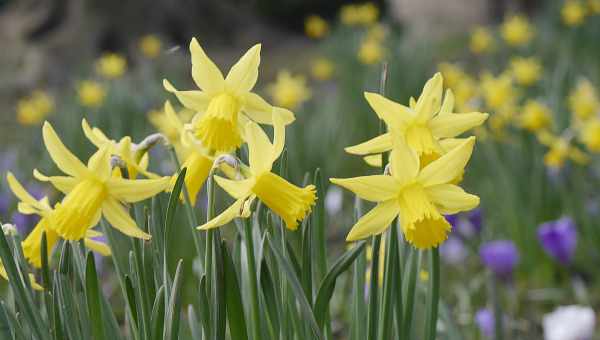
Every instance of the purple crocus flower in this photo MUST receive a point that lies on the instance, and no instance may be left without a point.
(24, 223)
(453, 251)
(559, 239)
(500, 257)
(466, 225)
(4, 203)
(484, 318)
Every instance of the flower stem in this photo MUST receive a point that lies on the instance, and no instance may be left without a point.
(255, 311)
(374, 290)
(434, 294)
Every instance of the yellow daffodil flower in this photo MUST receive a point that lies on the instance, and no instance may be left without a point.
(466, 95)
(573, 13)
(498, 91)
(290, 202)
(590, 135)
(560, 150)
(527, 71)
(535, 116)
(482, 40)
(371, 51)
(289, 91)
(150, 46)
(453, 74)
(91, 191)
(315, 27)
(594, 6)
(91, 94)
(419, 196)
(363, 14)
(33, 109)
(111, 65)
(377, 32)
(321, 69)
(583, 101)
(134, 156)
(171, 128)
(516, 31)
(32, 245)
(422, 125)
(224, 105)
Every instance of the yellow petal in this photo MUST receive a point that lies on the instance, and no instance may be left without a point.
(448, 103)
(63, 183)
(373, 160)
(260, 149)
(90, 233)
(451, 125)
(449, 166)
(374, 188)
(287, 116)
(395, 115)
(206, 74)
(172, 116)
(430, 100)
(99, 163)
(62, 157)
(95, 135)
(278, 138)
(257, 109)
(378, 144)
(119, 218)
(243, 75)
(404, 161)
(225, 217)
(195, 100)
(135, 190)
(97, 246)
(237, 189)
(375, 221)
(451, 199)
(22, 194)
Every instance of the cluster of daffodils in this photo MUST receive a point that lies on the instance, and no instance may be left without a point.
(34, 108)
(426, 162)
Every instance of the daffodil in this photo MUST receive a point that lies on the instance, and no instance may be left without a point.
(363, 14)
(527, 71)
(452, 73)
(134, 156)
(594, 6)
(418, 195)
(171, 127)
(482, 40)
(224, 105)
(35, 108)
(288, 90)
(371, 51)
(111, 65)
(315, 27)
(560, 150)
(517, 31)
(90, 93)
(590, 135)
(573, 13)
(535, 116)
(150, 46)
(498, 91)
(91, 192)
(321, 69)
(583, 101)
(32, 245)
(290, 202)
(422, 125)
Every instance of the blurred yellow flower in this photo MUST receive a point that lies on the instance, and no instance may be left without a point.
(573, 13)
(150, 46)
(594, 6)
(465, 93)
(590, 135)
(516, 30)
(34, 108)
(497, 91)
(322, 69)
(482, 40)
(501, 119)
(535, 116)
(583, 100)
(169, 126)
(315, 27)
(111, 65)
(224, 104)
(371, 51)
(527, 71)
(453, 74)
(424, 275)
(359, 14)
(289, 91)
(377, 32)
(90, 93)
(560, 150)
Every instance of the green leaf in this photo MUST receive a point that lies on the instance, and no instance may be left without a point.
(174, 308)
(158, 314)
(233, 298)
(92, 294)
(5, 325)
(131, 301)
(327, 286)
(194, 323)
(172, 208)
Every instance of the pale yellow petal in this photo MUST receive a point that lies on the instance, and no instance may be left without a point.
(62, 157)
(451, 125)
(22, 194)
(278, 137)
(430, 100)
(225, 217)
(63, 183)
(260, 149)
(287, 116)
(195, 100)
(97, 246)
(237, 189)
(96, 136)
(395, 115)
(374, 160)
(99, 163)
(449, 166)
(206, 74)
(375, 221)
(378, 144)
(451, 199)
(135, 190)
(448, 103)
(374, 188)
(404, 162)
(257, 109)
(243, 75)
(119, 218)
(172, 116)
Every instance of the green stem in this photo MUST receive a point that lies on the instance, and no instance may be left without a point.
(434, 294)
(498, 327)
(208, 250)
(255, 311)
(389, 286)
(374, 290)
(413, 259)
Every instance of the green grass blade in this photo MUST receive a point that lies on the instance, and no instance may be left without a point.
(172, 317)
(92, 294)
(157, 318)
(233, 298)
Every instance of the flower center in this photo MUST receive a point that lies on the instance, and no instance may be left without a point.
(287, 200)
(218, 128)
(422, 224)
(80, 210)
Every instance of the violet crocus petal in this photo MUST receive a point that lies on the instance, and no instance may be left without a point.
(452, 219)
(453, 251)
(24, 223)
(484, 318)
(500, 257)
(559, 239)
(475, 216)
(4, 203)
